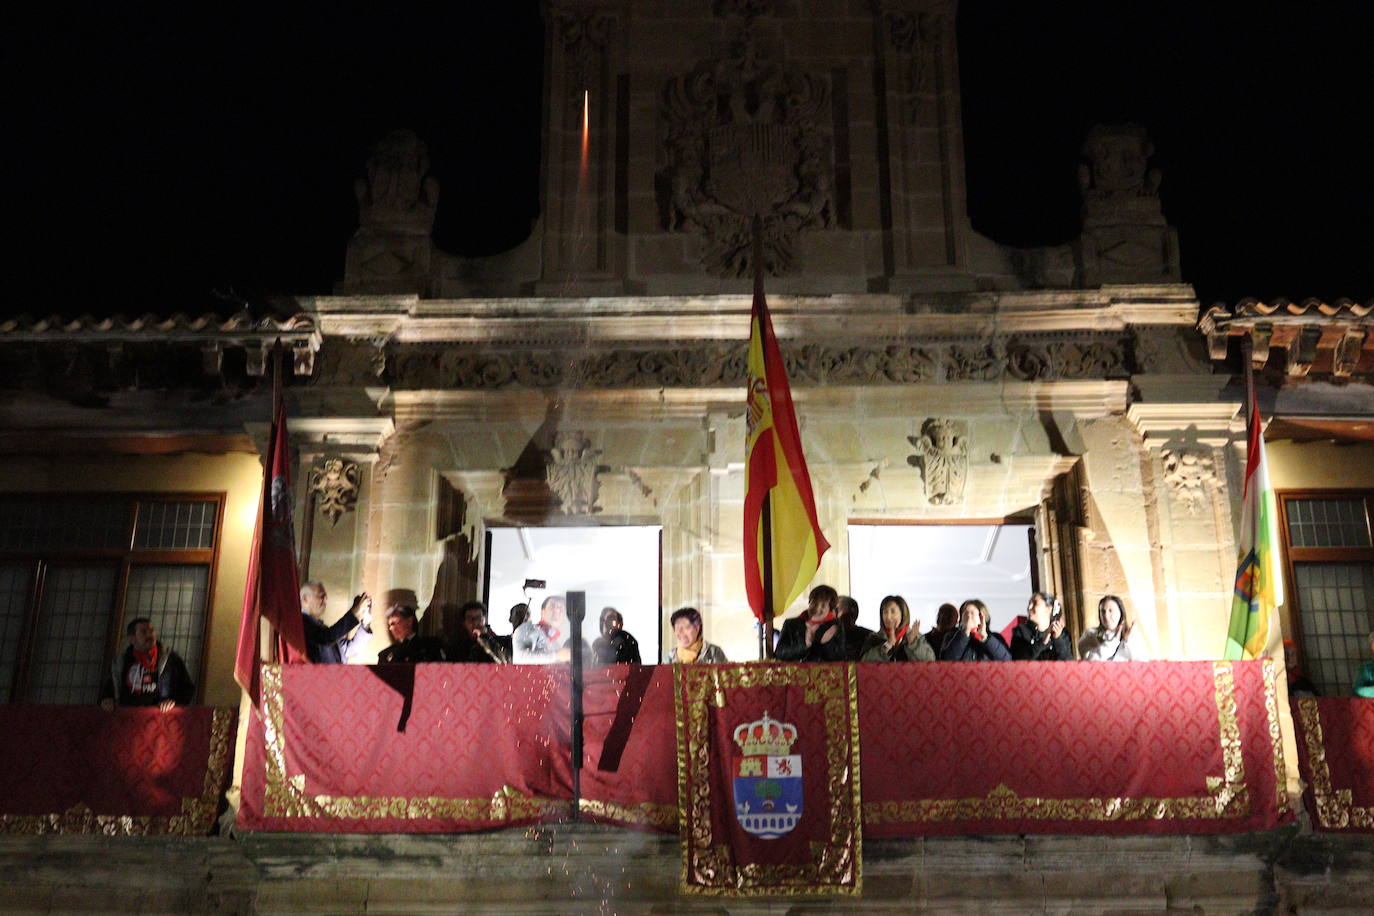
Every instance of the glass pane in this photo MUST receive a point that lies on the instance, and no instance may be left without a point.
(1337, 601)
(73, 621)
(63, 524)
(14, 600)
(173, 598)
(175, 525)
(1327, 523)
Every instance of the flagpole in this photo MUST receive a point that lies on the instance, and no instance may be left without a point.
(766, 651)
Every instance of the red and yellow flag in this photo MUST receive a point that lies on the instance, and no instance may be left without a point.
(775, 472)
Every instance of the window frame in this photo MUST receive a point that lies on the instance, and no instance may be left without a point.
(125, 557)
(1293, 555)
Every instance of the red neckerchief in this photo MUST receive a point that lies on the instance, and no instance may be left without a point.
(806, 615)
(147, 659)
(551, 631)
(900, 633)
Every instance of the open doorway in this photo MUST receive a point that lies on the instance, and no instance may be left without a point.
(931, 564)
(616, 566)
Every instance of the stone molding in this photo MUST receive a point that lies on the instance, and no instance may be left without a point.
(1026, 358)
(1189, 472)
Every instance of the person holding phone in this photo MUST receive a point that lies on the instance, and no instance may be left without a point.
(1041, 637)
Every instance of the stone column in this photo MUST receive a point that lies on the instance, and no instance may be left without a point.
(1186, 478)
(402, 551)
(919, 117)
(579, 181)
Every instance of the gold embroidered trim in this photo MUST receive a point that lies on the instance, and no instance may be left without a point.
(197, 812)
(707, 866)
(286, 796)
(1227, 795)
(642, 814)
(1336, 809)
(1271, 708)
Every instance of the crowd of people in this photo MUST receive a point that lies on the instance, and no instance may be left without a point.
(148, 673)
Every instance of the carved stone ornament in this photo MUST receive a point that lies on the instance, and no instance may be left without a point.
(711, 365)
(746, 135)
(1189, 472)
(585, 34)
(942, 456)
(573, 473)
(335, 485)
(915, 36)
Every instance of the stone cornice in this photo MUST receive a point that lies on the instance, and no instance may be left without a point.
(409, 319)
(1080, 398)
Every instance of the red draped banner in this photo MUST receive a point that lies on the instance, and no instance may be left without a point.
(1336, 755)
(1056, 747)
(946, 748)
(130, 772)
(408, 748)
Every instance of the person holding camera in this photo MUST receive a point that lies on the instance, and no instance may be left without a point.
(1041, 637)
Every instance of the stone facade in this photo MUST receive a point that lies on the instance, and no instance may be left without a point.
(587, 869)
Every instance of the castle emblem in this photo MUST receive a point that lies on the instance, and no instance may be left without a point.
(768, 778)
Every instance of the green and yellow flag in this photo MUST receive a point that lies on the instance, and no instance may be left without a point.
(1259, 583)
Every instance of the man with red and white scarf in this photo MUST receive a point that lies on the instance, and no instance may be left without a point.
(146, 673)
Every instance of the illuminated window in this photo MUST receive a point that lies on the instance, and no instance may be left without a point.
(74, 569)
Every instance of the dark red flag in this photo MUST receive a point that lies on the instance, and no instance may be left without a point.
(272, 591)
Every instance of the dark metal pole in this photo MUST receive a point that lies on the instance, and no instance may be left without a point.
(577, 612)
(768, 575)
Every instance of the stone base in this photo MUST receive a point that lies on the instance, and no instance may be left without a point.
(588, 869)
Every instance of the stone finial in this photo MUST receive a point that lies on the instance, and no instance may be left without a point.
(399, 194)
(392, 251)
(1125, 236)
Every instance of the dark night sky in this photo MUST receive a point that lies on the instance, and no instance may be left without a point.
(160, 160)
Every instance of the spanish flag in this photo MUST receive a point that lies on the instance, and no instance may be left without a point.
(1259, 584)
(775, 473)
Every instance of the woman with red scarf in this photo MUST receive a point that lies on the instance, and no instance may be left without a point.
(815, 634)
(898, 639)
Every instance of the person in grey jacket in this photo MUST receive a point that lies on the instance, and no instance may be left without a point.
(690, 648)
(899, 639)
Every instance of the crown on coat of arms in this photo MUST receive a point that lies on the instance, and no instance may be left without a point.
(766, 737)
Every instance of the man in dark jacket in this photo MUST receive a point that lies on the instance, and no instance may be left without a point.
(332, 644)
(146, 673)
(946, 621)
(813, 636)
(854, 635)
(615, 646)
(406, 646)
(1041, 636)
(478, 643)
